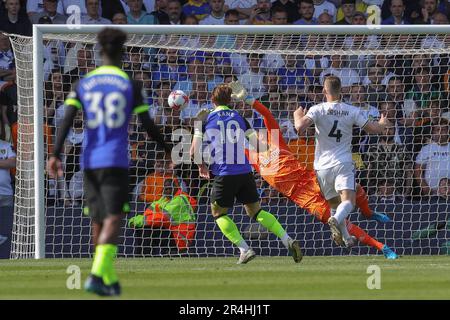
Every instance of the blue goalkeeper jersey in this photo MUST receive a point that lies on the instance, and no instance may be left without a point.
(225, 135)
(107, 97)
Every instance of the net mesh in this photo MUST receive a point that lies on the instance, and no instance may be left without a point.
(403, 76)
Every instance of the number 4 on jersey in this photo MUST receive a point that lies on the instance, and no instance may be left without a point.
(335, 133)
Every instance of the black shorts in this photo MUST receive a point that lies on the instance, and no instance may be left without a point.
(227, 188)
(106, 192)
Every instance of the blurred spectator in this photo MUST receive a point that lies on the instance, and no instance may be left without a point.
(14, 22)
(321, 6)
(439, 18)
(198, 100)
(252, 79)
(213, 78)
(279, 16)
(228, 41)
(169, 68)
(54, 54)
(397, 9)
(174, 10)
(286, 115)
(49, 10)
(34, 7)
(428, 9)
(358, 98)
(360, 5)
(65, 5)
(135, 60)
(160, 12)
(54, 98)
(306, 12)
(85, 64)
(444, 188)
(137, 15)
(119, 18)
(73, 177)
(253, 118)
(359, 19)
(199, 8)
(291, 7)
(348, 9)
(325, 18)
(7, 162)
(374, 82)
(190, 19)
(339, 69)
(433, 161)
(93, 13)
(260, 14)
(292, 75)
(217, 15)
(195, 72)
(7, 63)
(422, 92)
(315, 64)
(160, 110)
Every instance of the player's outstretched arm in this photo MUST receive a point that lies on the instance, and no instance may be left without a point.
(301, 122)
(377, 127)
(54, 165)
(154, 132)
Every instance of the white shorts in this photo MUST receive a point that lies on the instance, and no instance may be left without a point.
(335, 179)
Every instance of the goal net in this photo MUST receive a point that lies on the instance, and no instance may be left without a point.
(400, 72)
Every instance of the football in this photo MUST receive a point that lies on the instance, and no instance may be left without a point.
(178, 100)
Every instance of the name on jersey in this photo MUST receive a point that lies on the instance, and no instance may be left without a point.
(92, 82)
(337, 113)
(226, 114)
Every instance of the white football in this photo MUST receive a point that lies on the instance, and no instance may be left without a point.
(178, 100)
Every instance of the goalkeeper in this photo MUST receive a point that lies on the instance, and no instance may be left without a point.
(279, 167)
(174, 211)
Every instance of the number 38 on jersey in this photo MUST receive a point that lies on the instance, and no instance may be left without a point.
(108, 109)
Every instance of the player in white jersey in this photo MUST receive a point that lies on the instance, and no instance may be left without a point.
(335, 171)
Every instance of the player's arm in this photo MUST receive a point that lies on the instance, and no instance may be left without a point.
(197, 141)
(72, 105)
(376, 127)
(301, 121)
(141, 109)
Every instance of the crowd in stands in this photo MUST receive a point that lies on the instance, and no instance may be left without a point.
(411, 160)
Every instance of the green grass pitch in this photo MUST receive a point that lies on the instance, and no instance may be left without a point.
(411, 277)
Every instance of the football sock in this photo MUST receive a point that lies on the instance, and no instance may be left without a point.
(363, 237)
(362, 202)
(343, 210)
(271, 223)
(230, 230)
(344, 230)
(103, 263)
(285, 240)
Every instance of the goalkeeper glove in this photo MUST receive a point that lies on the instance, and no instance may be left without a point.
(239, 93)
(136, 222)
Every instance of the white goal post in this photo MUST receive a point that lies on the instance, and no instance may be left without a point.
(31, 227)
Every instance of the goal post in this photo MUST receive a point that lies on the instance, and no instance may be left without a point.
(32, 232)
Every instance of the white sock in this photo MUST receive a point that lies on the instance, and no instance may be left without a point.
(285, 238)
(344, 230)
(243, 246)
(343, 210)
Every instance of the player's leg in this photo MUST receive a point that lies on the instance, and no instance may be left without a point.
(113, 184)
(248, 195)
(222, 198)
(363, 237)
(362, 202)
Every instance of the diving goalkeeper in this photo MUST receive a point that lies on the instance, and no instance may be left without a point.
(279, 167)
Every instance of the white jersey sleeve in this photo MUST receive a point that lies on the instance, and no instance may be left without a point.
(334, 132)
